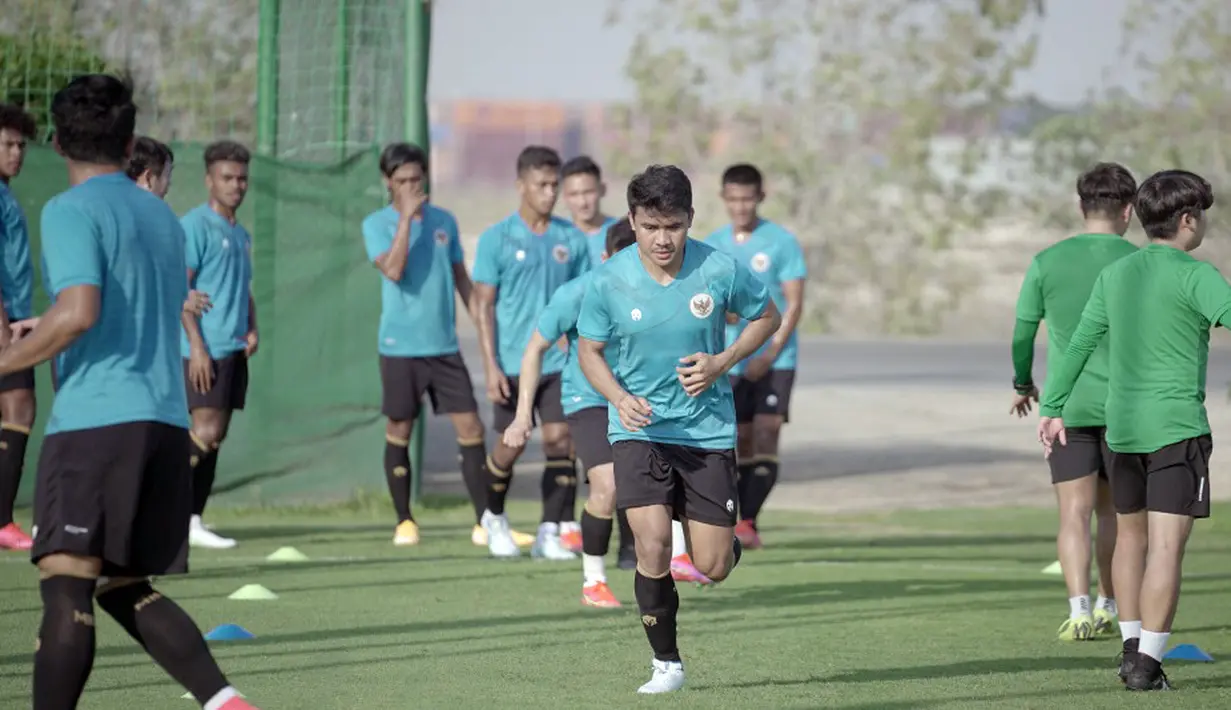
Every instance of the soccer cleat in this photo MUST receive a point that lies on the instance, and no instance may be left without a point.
(683, 570)
(407, 533)
(548, 547)
(12, 537)
(570, 537)
(1105, 623)
(1146, 674)
(478, 536)
(201, 536)
(500, 540)
(237, 703)
(668, 677)
(1077, 629)
(747, 533)
(599, 595)
(1128, 657)
(626, 559)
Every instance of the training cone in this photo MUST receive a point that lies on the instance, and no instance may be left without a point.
(229, 632)
(286, 554)
(1053, 568)
(252, 592)
(1187, 652)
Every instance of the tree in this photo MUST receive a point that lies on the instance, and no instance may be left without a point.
(840, 103)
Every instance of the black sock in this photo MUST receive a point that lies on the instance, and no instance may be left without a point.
(498, 480)
(595, 534)
(557, 474)
(168, 634)
(204, 460)
(764, 476)
(65, 650)
(737, 551)
(397, 475)
(744, 473)
(12, 457)
(474, 473)
(568, 513)
(659, 603)
(626, 530)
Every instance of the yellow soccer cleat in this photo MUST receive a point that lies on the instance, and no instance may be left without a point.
(407, 533)
(1078, 629)
(478, 536)
(1105, 623)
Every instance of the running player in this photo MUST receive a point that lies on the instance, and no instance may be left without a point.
(519, 264)
(17, 403)
(216, 348)
(1056, 288)
(113, 493)
(762, 384)
(672, 417)
(1156, 308)
(416, 247)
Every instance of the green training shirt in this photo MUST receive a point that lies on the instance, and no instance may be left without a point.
(1156, 308)
(1056, 288)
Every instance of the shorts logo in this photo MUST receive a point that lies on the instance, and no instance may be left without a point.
(442, 237)
(636, 314)
(772, 400)
(561, 253)
(730, 506)
(520, 255)
(760, 262)
(75, 530)
(701, 305)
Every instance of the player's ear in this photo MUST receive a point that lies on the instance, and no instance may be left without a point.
(1128, 213)
(691, 213)
(602, 190)
(760, 196)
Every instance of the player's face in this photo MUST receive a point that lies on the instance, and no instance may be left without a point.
(227, 182)
(741, 202)
(12, 153)
(581, 195)
(409, 176)
(661, 237)
(539, 188)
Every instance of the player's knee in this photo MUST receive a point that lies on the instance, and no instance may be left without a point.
(654, 554)
(208, 433)
(767, 430)
(398, 430)
(558, 446)
(715, 566)
(65, 565)
(745, 442)
(18, 409)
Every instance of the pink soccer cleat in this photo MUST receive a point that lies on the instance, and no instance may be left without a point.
(238, 703)
(12, 537)
(683, 570)
(748, 536)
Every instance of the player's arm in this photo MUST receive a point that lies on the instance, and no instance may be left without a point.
(392, 261)
(254, 337)
(1029, 314)
(194, 258)
(518, 432)
(487, 276)
(1210, 294)
(188, 318)
(749, 299)
(792, 273)
(8, 229)
(461, 279)
(1063, 376)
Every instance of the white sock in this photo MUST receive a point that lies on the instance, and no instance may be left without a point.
(196, 522)
(1153, 644)
(593, 569)
(549, 530)
(1107, 605)
(1079, 606)
(1130, 630)
(224, 695)
(678, 545)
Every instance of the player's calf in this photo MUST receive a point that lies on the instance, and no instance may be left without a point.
(64, 651)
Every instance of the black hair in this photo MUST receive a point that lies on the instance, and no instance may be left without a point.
(534, 157)
(149, 154)
(14, 118)
(395, 155)
(581, 165)
(94, 118)
(664, 189)
(226, 152)
(1166, 197)
(619, 236)
(1106, 189)
(743, 174)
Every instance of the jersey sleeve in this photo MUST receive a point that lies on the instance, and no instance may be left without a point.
(1209, 292)
(194, 242)
(1030, 298)
(72, 254)
(594, 320)
(793, 265)
(1089, 333)
(748, 297)
(557, 318)
(457, 255)
(487, 257)
(376, 240)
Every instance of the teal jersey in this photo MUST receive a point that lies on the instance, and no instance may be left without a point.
(418, 313)
(111, 234)
(220, 257)
(656, 325)
(527, 268)
(597, 242)
(16, 271)
(559, 320)
(774, 256)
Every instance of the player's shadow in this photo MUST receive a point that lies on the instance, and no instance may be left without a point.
(819, 593)
(810, 462)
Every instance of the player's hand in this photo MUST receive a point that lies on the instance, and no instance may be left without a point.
(19, 329)
(634, 412)
(8, 335)
(698, 372)
(197, 303)
(408, 200)
(1021, 402)
(1051, 430)
(251, 343)
(757, 368)
(200, 370)
(518, 433)
(498, 390)
(732, 319)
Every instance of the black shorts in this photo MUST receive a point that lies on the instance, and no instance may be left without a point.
(698, 484)
(1175, 479)
(444, 378)
(1085, 454)
(547, 406)
(588, 430)
(229, 391)
(769, 395)
(121, 493)
(20, 380)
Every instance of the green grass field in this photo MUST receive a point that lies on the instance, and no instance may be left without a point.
(908, 610)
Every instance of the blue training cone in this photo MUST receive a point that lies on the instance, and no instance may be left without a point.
(1187, 652)
(229, 632)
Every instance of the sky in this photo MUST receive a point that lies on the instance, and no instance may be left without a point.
(560, 50)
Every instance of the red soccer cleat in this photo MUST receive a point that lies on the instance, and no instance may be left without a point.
(748, 536)
(13, 537)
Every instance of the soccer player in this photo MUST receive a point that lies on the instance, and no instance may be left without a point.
(763, 383)
(1056, 288)
(113, 493)
(17, 403)
(672, 417)
(416, 247)
(1156, 307)
(217, 346)
(519, 264)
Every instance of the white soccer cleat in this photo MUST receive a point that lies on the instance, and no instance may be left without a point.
(547, 546)
(668, 677)
(200, 536)
(500, 541)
